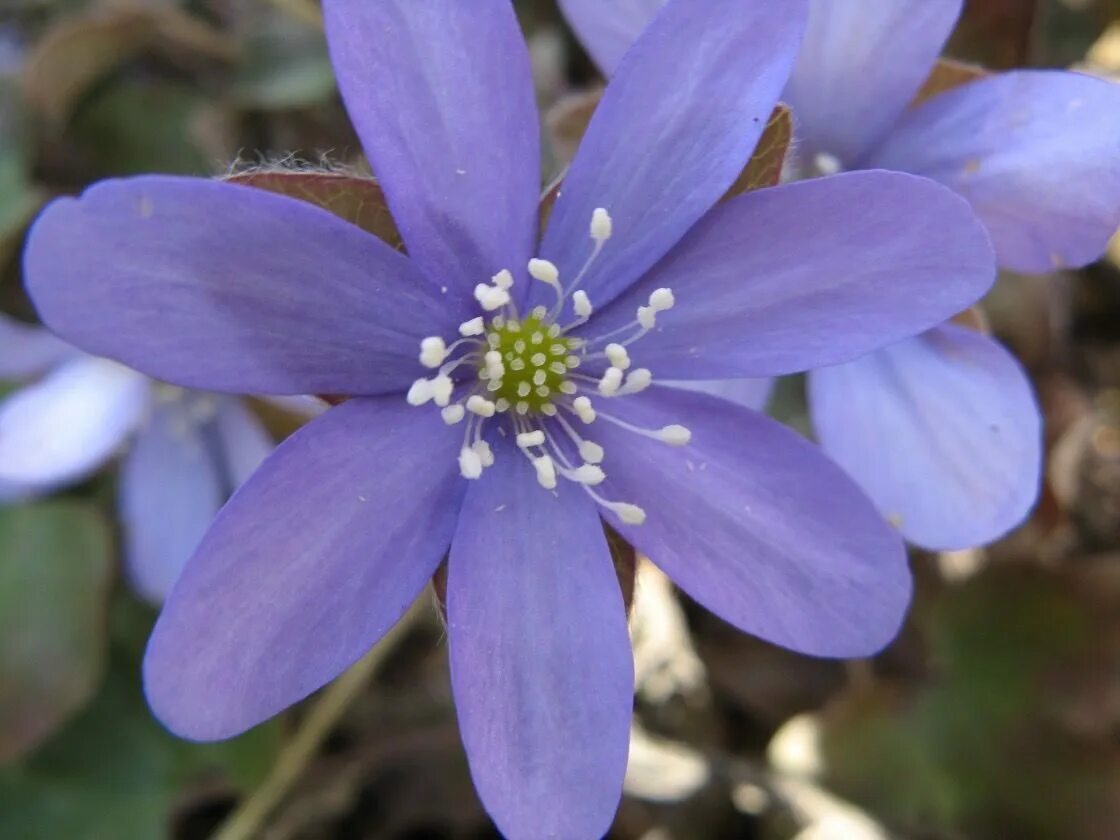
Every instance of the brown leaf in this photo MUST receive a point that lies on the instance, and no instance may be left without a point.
(358, 200)
(764, 169)
(946, 75)
(81, 48)
(567, 120)
(974, 319)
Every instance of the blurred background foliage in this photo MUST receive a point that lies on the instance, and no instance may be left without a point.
(995, 714)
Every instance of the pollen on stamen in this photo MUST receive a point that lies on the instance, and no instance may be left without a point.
(618, 356)
(675, 435)
(546, 472)
(611, 381)
(473, 327)
(453, 414)
(433, 351)
(529, 439)
(591, 452)
(581, 304)
(601, 225)
(470, 463)
(544, 271)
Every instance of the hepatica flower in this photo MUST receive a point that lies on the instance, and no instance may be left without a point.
(75, 412)
(501, 401)
(941, 430)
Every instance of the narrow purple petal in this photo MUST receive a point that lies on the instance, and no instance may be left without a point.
(306, 567)
(809, 274)
(229, 288)
(441, 94)
(1036, 152)
(27, 350)
(607, 28)
(941, 431)
(757, 525)
(170, 491)
(540, 656)
(63, 427)
(245, 442)
(675, 127)
(749, 393)
(860, 65)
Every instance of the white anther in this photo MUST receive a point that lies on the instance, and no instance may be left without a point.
(581, 303)
(529, 439)
(647, 317)
(588, 474)
(628, 513)
(442, 386)
(470, 463)
(827, 164)
(544, 271)
(661, 300)
(601, 225)
(584, 410)
(637, 380)
(453, 414)
(503, 279)
(546, 472)
(592, 453)
(433, 351)
(420, 392)
(675, 435)
(609, 384)
(490, 297)
(475, 326)
(481, 406)
(618, 356)
(485, 455)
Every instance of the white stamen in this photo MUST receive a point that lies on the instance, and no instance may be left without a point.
(628, 513)
(675, 435)
(528, 439)
(588, 474)
(433, 351)
(584, 410)
(827, 164)
(481, 406)
(475, 326)
(647, 317)
(546, 472)
(601, 225)
(442, 387)
(544, 271)
(453, 414)
(581, 304)
(592, 453)
(470, 463)
(637, 380)
(662, 300)
(609, 384)
(503, 279)
(485, 455)
(618, 356)
(490, 297)
(420, 392)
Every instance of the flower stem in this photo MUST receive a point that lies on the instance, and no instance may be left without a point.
(245, 822)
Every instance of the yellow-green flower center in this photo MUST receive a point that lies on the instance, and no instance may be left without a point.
(536, 359)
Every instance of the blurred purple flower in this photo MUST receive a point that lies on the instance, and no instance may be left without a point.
(942, 431)
(221, 286)
(189, 450)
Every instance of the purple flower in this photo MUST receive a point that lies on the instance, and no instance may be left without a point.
(501, 403)
(942, 431)
(189, 450)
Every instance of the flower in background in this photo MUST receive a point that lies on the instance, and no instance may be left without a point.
(942, 430)
(189, 450)
(501, 396)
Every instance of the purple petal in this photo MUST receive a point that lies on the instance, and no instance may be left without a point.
(60, 429)
(860, 65)
(607, 28)
(757, 524)
(749, 393)
(807, 275)
(229, 288)
(306, 567)
(245, 442)
(942, 431)
(170, 491)
(441, 94)
(27, 350)
(540, 656)
(1036, 152)
(675, 127)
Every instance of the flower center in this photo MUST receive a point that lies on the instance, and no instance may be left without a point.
(526, 369)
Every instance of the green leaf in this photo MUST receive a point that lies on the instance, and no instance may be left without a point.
(54, 580)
